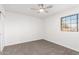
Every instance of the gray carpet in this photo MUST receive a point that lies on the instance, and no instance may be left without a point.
(39, 47)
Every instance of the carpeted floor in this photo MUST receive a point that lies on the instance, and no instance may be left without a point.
(39, 47)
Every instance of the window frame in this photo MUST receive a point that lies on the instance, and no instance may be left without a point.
(76, 19)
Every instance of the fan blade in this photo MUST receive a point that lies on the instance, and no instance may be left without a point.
(49, 6)
(41, 5)
(46, 11)
(34, 9)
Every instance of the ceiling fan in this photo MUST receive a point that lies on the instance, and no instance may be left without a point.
(42, 8)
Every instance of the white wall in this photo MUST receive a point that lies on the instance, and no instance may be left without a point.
(54, 33)
(21, 28)
(2, 14)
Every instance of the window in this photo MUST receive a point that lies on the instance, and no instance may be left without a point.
(70, 23)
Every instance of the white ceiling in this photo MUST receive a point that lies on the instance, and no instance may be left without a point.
(25, 9)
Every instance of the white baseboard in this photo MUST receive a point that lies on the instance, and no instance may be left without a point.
(18, 42)
(63, 45)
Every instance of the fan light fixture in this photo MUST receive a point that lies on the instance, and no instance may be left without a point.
(41, 10)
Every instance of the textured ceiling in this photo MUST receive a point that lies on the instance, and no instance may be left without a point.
(25, 9)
